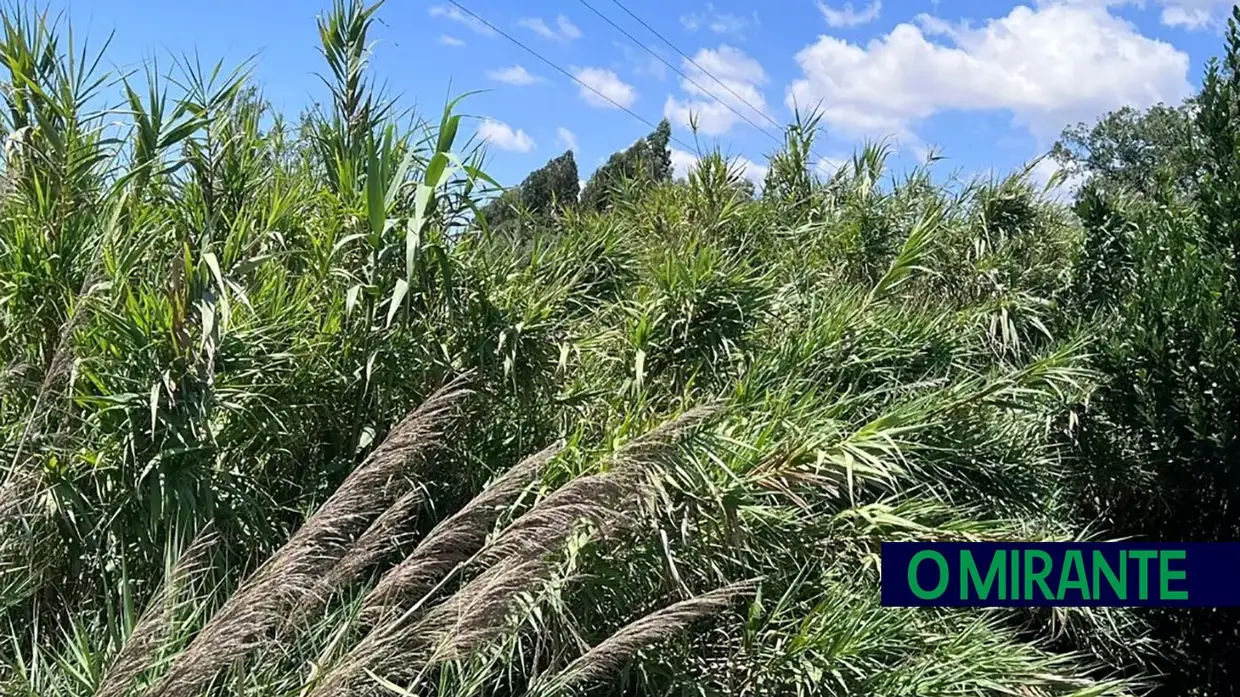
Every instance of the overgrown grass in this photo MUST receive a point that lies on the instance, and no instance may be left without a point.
(674, 433)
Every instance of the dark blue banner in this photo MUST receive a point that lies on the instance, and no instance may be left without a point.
(1080, 574)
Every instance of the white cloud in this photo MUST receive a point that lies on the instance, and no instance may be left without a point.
(566, 138)
(1049, 66)
(1183, 14)
(846, 16)
(564, 30)
(1046, 168)
(644, 63)
(515, 75)
(606, 83)
(452, 41)
(538, 26)
(743, 76)
(1185, 17)
(1193, 14)
(684, 161)
(567, 29)
(502, 136)
(454, 14)
(717, 22)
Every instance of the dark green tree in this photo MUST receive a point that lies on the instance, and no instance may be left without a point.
(546, 189)
(553, 184)
(1134, 149)
(1218, 121)
(649, 160)
(659, 153)
(1159, 275)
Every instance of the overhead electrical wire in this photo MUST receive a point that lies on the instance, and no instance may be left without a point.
(662, 38)
(694, 63)
(704, 71)
(566, 73)
(691, 81)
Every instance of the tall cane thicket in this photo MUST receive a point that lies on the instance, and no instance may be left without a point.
(282, 414)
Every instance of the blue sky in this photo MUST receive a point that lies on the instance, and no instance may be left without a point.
(988, 84)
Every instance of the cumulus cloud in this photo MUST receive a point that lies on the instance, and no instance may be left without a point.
(566, 138)
(1182, 14)
(606, 83)
(564, 30)
(846, 16)
(453, 13)
(743, 76)
(643, 63)
(1042, 174)
(1193, 14)
(684, 161)
(567, 29)
(502, 136)
(515, 75)
(717, 22)
(1048, 66)
(452, 41)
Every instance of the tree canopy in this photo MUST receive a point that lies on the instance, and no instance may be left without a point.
(648, 160)
(1134, 149)
(551, 186)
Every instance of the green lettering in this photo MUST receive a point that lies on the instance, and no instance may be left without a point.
(912, 575)
(1165, 575)
(1073, 562)
(1119, 584)
(996, 570)
(1014, 594)
(1143, 577)
(1038, 576)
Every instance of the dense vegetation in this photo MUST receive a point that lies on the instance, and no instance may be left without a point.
(303, 410)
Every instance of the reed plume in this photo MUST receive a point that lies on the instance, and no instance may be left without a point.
(388, 532)
(617, 649)
(263, 601)
(515, 562)
(452, 541)
(154, 625)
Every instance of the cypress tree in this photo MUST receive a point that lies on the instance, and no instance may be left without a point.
(553, 185)
(648, 160)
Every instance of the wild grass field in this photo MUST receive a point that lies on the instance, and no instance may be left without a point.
(301, 408)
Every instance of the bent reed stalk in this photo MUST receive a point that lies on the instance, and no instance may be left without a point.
(262, 603)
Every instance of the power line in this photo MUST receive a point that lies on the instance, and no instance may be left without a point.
(567, 74)
(695, 83)
(694, 63)
(704, 71)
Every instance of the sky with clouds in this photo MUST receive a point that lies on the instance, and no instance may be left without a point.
(988, 85)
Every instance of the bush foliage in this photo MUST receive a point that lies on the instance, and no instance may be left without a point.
(280, 415)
